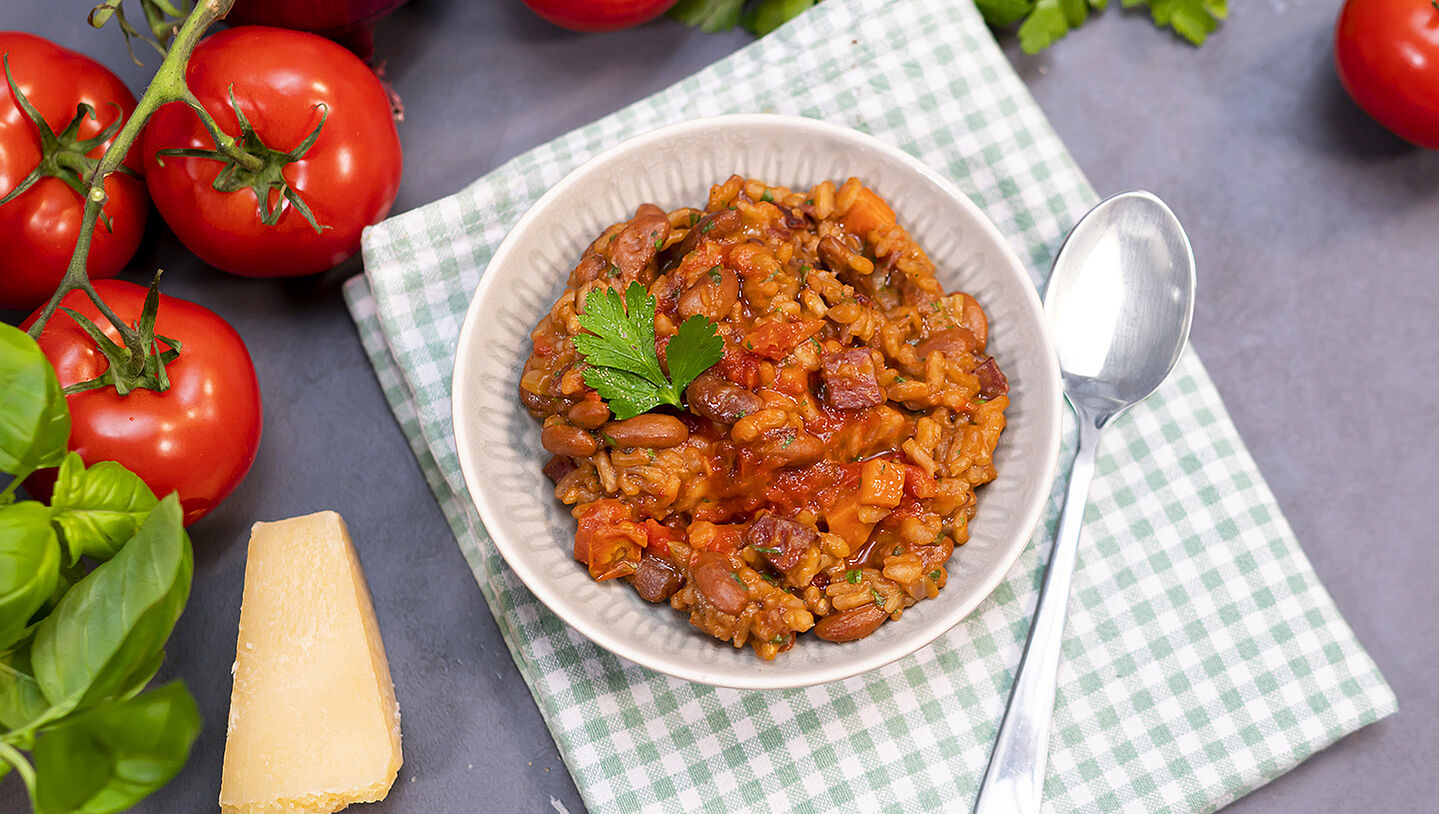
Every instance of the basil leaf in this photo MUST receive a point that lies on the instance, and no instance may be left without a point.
(34, 421)
(103, 635)
(29, 566)
(23, 707)
(99, 508)
(110, 757)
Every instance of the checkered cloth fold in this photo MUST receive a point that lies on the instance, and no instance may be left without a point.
(1202, 657)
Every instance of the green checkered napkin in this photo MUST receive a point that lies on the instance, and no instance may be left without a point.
(1199, 663)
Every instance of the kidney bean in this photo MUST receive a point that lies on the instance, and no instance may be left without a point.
(657, 579)
(715, 225)
(640, 240)
(711, 296)
(589, 414)
(651, 430)
(973, 318)
(794, 448)
(717, 582)
(953, 343)
(562, 439)
(719, 400)
(847, 626)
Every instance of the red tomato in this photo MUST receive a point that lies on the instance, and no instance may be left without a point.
(199, 437)
(38, 229)
(599, 15)
(1387, 52)
(284, 82)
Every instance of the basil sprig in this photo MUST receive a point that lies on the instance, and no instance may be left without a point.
(90, 588)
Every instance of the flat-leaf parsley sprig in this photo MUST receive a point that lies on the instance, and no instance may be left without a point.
(620, 361)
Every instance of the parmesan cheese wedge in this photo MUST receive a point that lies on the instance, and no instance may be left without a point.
(313, 721)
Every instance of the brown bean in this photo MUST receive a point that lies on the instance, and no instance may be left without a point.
(953, 343)
(711, 296)
(651, 430)
(721, 401)
(855, 623)
(714, 226)
(717, 583)
(640, 240)
(589, 414)
(973, 318)
(657, 579)
(562, 439)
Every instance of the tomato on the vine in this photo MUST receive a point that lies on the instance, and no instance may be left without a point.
(39, 226)
(287, 84)
(197, 438)
(1387, 53)
(599, 15)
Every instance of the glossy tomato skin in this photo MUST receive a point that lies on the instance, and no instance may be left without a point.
(599, 15)
(283, 80)
(38, 229)
(198, 438)
(1387, 53)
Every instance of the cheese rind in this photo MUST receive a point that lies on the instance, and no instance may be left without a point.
(313, 721)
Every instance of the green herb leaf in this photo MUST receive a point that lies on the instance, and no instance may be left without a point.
(21, 702)
(99, 508)
(767, 15)
(853, 576)
(773, 552)
(106, 632)
(695, 348)
(29, 567)
(619, 352)
(34, 420)
(108, 758)
(709, 15)
(1193, 20)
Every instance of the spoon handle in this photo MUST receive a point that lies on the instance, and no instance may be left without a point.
(1014, 781)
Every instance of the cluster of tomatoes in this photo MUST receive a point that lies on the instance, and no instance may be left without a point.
(200, 435)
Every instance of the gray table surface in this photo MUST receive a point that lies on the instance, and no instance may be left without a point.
(1316, 236)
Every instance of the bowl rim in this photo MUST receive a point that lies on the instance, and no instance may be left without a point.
(603, 636)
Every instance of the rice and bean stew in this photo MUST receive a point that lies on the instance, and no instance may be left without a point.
(824, 469)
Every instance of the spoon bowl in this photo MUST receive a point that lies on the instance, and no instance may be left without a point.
(1120, 301)
(1119, 304)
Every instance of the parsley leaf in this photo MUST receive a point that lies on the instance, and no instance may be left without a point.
(1044, 22)
(619, 351)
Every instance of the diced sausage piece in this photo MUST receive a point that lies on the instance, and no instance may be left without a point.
(849, 380)
(717, 583)
(780, 540)
(657, 579)
(833, 254)
(719, 400)
(558, 467)
(640, 240)
(992, 382)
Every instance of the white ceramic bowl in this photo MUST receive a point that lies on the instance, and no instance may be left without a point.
(499, 444)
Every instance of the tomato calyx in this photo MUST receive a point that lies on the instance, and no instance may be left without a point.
(267, 177)
(64, 155)
(129, 370)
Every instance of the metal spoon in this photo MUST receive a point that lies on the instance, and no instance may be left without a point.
(1118, 305)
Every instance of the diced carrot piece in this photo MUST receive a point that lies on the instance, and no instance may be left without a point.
(867, 213)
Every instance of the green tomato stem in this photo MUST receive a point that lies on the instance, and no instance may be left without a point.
(168, 85)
